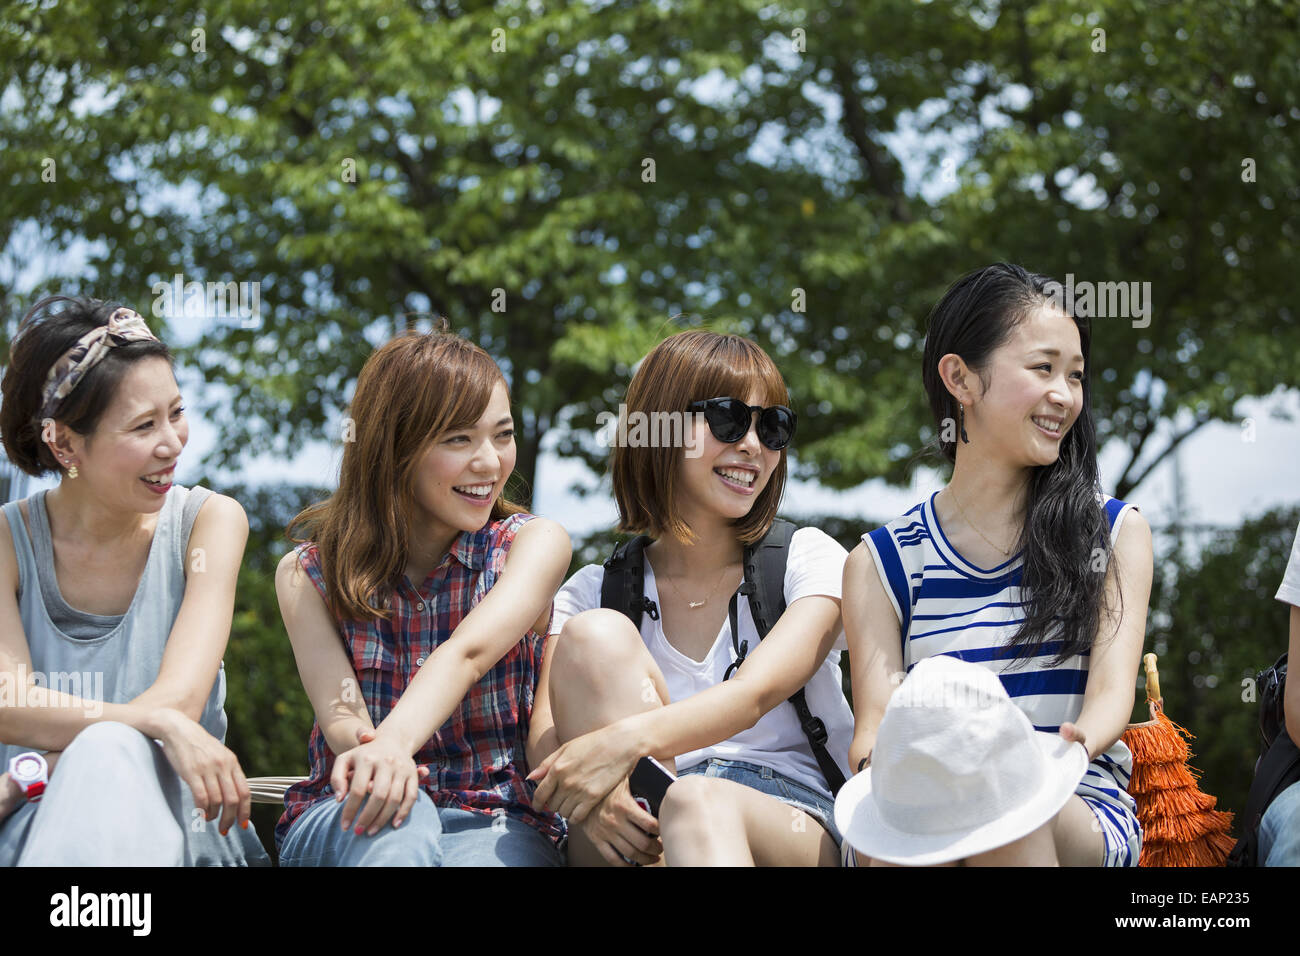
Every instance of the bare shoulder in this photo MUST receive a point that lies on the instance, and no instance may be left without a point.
(544, 533)
(859, 560)
(222, 511)
(1134, 539)
(8, 555)
(860, 573)
(289, 571)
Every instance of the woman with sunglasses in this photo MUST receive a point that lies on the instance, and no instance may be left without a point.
(750, 790)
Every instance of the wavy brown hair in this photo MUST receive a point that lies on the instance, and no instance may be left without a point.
(688, 367)
(410, 391)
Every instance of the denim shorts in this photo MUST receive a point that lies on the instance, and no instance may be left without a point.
(768, 781)
(430, 836)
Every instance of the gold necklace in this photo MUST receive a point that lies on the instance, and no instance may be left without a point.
(692, 605)
(1004, 551)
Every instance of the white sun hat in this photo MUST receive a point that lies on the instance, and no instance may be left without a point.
(957, 770)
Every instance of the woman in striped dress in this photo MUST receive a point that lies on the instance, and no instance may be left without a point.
(1020, 564)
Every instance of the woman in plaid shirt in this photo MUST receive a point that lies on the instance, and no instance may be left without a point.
(421, 742)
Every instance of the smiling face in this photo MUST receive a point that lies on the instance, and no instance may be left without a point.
(725, 479)
(463, 471)
(130, 459)
(1034, 393)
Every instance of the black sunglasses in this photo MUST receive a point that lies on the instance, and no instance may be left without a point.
(729, 420)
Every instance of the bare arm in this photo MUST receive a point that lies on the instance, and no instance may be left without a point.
(169, 709)
(542, 738)
(201, 630)
(323, 662)
(782, 662)
(875, 648)
(534, 567)
(580, 774)
(520, 598)
(1291, 699)
(1112, 670)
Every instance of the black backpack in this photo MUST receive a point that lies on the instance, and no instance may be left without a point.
(1278, 768)
(623, 589)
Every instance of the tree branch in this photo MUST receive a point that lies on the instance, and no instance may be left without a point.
(873, 162)
(1125, 486)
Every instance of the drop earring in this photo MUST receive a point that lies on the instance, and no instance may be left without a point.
(961, 418)
(72, 471)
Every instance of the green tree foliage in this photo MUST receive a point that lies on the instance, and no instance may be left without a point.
(1215, 624)
(593, 169)
(270, 715)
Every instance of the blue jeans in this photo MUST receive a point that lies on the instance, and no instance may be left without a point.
(768, 781)
(1279, 831)
(114, 800)
(430, 836)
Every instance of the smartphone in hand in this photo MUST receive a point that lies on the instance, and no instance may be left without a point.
(649, 780)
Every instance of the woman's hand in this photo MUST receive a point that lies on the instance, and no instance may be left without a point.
(621, 830)
(384, 771)
(11, 798)
(581, 773)
(208, 767)
(1071, 732)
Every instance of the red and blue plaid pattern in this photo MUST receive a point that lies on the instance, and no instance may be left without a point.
(476, 760)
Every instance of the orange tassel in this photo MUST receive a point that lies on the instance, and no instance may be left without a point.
(1152, 741)
(1186, 827)
(1166, 776)
(1165, 803)
(1180, 826)
(1211, 851)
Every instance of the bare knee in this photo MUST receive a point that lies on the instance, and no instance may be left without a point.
(593, 643)
(691, 801)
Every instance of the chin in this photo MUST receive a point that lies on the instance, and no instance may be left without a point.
(1044, 459)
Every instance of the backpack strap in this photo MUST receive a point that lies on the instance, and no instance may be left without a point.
(765, 587)
(623, 586)
(1278, 769)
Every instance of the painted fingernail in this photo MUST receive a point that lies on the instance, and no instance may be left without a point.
(244, 825)
(225, 831)
(359, 829)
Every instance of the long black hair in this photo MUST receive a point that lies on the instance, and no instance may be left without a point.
(1065, 538)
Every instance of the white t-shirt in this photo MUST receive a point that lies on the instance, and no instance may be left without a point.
(814, 566)
(1290, 589)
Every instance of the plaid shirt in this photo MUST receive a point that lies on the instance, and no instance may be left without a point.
(476, 760)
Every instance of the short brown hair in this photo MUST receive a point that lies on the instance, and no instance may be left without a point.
(409, 392)
(688, 367)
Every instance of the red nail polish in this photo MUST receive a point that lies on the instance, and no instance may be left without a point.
(359, 830)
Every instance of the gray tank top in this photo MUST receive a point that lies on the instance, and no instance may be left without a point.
(112, 658)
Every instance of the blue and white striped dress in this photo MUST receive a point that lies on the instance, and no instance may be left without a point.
(946, 605)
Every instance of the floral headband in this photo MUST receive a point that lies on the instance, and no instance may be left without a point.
(123, 326)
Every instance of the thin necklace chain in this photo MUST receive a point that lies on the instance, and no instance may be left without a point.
(1004, 551)
(692, 605)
